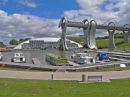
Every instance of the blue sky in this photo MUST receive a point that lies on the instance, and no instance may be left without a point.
(42, 8)
(40, 18)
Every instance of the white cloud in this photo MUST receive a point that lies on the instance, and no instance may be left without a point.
(21, 26)
(90, 9)
(3, 2)
(28, 3)
(103, 11)
(25, 25)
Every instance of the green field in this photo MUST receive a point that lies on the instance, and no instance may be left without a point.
(35, 88)
(103, 43)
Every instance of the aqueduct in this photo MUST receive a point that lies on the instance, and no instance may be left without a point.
(89, 29)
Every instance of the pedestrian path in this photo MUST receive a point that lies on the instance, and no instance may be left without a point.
(106, 76)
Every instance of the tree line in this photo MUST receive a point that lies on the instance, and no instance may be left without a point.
(16, 42)
(78, 39)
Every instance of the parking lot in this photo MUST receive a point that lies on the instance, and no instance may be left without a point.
(41, 54)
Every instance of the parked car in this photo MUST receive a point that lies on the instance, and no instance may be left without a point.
(18, 58)
(102, 56)
(1, 56)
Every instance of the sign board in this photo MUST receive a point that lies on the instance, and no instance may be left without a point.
(122, 65)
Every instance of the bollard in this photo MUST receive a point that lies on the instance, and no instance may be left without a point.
(83, 77)
(52, 77)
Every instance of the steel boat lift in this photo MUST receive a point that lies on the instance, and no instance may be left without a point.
(89, 29)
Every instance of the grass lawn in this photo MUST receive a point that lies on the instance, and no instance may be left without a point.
(36, 88)
(118, 41)
(103, 43)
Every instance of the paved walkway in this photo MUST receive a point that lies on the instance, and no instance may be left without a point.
(63, 75)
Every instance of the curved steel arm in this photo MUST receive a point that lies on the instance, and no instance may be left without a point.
(111, 35)
(85, 20)
(91, 34)
(62, 22)
(109, 24)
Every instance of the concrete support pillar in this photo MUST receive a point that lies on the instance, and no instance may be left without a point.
(85, 30)
(111, 44)
(129, 36)
(126, 34)
(63, 25)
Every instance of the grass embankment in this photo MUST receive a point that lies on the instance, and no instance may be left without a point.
(103, 43)
(56, 60)
(35, 88)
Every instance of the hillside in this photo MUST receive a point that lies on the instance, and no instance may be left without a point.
(103, 42)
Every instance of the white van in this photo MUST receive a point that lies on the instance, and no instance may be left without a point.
(18, 58)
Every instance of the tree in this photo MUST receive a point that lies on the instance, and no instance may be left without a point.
(23, 39)
(13, 42)
(2, 44)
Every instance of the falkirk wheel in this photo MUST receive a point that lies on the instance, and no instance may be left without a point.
(89, 29)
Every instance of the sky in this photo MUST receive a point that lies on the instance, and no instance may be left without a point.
(40, 18)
